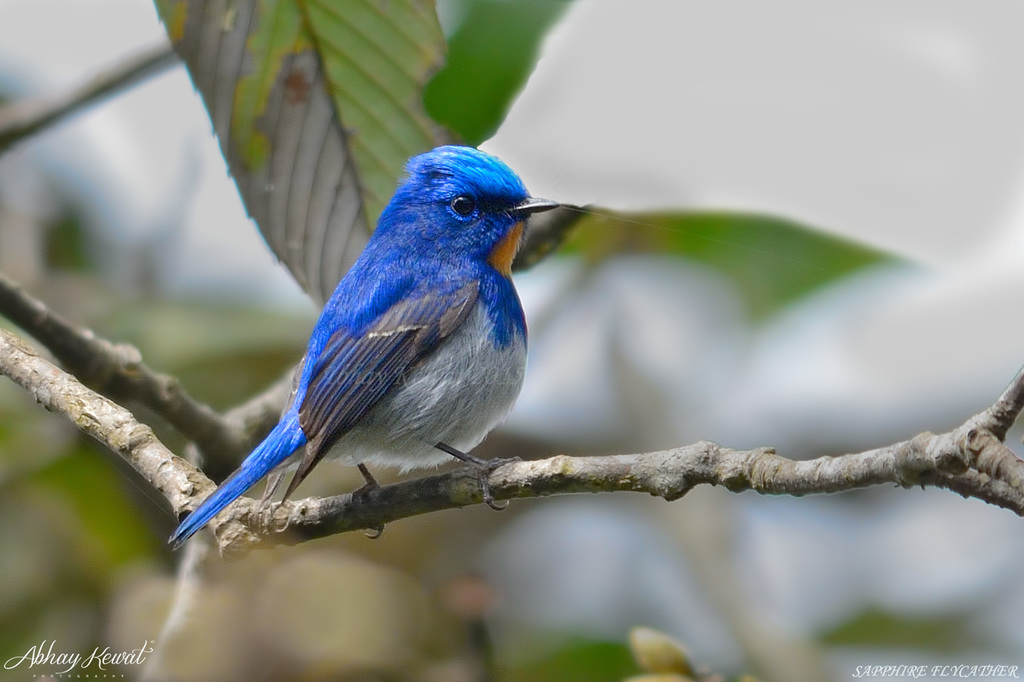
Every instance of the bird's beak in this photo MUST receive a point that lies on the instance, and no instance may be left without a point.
(534, 205)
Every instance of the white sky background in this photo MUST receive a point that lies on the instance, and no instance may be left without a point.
(896, 123)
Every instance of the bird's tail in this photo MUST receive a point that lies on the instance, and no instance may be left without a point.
(286, 438)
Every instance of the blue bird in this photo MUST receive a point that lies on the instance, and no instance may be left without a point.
(421, 350)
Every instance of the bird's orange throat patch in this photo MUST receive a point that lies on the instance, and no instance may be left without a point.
(505, 250)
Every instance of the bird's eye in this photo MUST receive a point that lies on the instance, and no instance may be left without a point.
(463, 205)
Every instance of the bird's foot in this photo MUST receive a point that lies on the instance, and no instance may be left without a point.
(369, 485)
(369, 482)
(483, 469)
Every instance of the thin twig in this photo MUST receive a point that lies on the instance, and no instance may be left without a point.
(24, 118)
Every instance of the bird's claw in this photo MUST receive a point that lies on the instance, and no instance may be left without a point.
(483, 475)
(375, 532)
(483, 469)
(485, 488)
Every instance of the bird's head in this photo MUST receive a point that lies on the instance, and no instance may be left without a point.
(457, 202)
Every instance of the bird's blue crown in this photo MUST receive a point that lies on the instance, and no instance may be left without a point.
(449, 171)
(454, 208)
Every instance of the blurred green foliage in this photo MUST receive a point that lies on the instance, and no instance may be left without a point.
(67, 243)
(107, 525)
(875, 627)
(223, 353)
(577, 659)
(490, 56)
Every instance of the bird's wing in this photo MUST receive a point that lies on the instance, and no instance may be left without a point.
(355, 371)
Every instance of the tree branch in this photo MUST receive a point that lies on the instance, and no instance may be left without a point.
(104, 420)
(970, 460)
(24, 118)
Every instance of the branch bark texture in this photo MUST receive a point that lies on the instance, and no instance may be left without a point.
(970, 460)
(103, 419)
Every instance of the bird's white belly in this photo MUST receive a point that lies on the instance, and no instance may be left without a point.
(455, 396)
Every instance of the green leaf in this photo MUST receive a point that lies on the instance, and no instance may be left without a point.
(490, 57)
(317, 107)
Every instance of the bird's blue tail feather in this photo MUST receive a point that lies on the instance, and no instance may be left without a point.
(286, 438)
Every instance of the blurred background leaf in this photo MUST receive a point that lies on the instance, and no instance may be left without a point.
(575, 660)
(877, 627)
(490, 56)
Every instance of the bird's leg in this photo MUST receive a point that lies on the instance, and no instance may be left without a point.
(267, 505)
(273, 481)
(369, 485)
(369, 482)
(483, 469)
